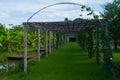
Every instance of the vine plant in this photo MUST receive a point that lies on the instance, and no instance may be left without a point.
(105, 38)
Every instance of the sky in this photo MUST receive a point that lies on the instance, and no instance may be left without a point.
(18, 11)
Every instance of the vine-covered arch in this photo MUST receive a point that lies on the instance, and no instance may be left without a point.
(67, 27)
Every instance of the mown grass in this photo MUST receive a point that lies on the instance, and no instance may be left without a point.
(116, 57)
(4, 55)
(67, 63)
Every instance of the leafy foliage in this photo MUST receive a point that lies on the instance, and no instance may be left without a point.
(12, 39)
(112, 14)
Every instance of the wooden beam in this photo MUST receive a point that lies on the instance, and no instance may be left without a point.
(25, 47)
(65, 25)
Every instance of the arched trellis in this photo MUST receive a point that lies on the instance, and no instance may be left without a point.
(71, 3)
(63, 30)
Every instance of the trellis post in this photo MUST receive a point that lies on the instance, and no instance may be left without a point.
(38, 47)
(46, 52)
(54, 40)
(97, 45)
(49, 42)
(66, 39)
(107, 52)
(58, 40)
(25, 47)
(62, 40)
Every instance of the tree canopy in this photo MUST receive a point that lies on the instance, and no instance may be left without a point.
(112, 14)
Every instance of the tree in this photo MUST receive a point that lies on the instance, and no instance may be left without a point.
(2, 36)
(16, 37)
(112, 13)
(10, 39)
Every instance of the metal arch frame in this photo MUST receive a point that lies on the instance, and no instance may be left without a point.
(71, 3)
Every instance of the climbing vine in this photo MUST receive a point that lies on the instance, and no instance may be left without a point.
(90, 42)
(105, 38)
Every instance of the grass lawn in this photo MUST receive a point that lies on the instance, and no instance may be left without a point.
(116, 57)
(66, 63)
(3, 55)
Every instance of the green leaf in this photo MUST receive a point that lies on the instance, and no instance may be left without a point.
(88, 9)
(1, 45)
(83, 7)
(96, 16)
(80, 14)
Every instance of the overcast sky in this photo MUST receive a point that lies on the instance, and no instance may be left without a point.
(18, 11)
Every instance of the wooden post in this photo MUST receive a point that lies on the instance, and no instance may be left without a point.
(59, 40)
(62, 40)
(38, 47)
(25, 47)
(97, 46)
(65, 39)
(54, 40)
(107, 49)
(46, 53)
(49, 43)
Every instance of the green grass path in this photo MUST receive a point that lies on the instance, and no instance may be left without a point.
(67, 63)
